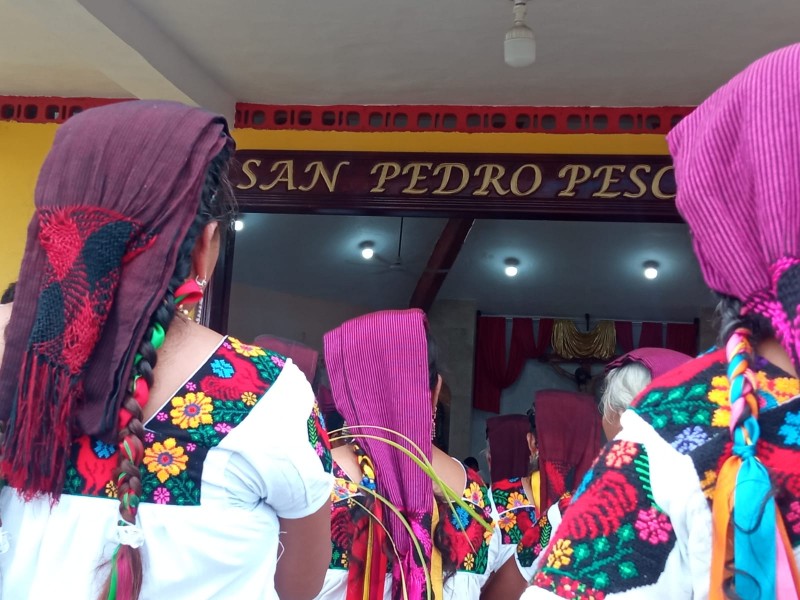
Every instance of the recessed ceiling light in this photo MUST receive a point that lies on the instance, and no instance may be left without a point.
(512, 267)
(238, 225)
(367, 250)
(650, 269)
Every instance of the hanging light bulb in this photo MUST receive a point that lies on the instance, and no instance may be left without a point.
(520, 46)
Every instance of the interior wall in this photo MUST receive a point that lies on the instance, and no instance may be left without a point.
(517, 399)
(256, 310)
(452, 324)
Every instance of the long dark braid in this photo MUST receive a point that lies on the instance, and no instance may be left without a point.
(125, 578)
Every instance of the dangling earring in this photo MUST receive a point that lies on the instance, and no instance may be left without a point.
(433, 422)
(189, 294)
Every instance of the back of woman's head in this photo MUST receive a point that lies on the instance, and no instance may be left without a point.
(621, 387)
(737, 168)
(120, 201)
(381, 369)
(507, 436)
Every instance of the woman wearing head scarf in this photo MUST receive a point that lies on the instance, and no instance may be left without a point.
(698, 495)
(627, 376)
(144, 455)
(384, 379)
(562, 440)
(508, 451)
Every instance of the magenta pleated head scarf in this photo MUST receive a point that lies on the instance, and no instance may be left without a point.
(114, 200)
(508, 444)
(379, 374)
(737, 167)
(658, 361)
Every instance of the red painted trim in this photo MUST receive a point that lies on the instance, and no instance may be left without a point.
(468, 119)
(47, 109)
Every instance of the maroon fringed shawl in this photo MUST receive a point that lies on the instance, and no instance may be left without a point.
(508, 444)
(568, 430)
(114, 200)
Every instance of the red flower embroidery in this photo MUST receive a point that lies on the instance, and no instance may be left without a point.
(247, 379)
(600, 510)
(567, 588)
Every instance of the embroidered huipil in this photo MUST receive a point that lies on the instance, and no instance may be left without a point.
(516, 517)
(523, 532)
(237, 447)
(639, 525)
(474, 550)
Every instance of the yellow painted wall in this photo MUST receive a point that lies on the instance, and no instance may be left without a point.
(23, 147)
(489, 143)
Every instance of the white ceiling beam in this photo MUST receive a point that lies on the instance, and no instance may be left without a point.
(115, 38)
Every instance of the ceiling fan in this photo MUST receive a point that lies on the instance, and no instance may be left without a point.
(381, 265)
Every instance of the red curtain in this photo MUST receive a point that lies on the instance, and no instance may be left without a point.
(492, 372)
(624, 331)
(682, 337)
(651, 335)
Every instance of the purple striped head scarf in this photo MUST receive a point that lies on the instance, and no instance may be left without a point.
(737, 166)
(379, 374)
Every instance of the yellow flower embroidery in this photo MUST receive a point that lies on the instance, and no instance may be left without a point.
(560, 555)
(469, 562)
(786, 387)
(246, 349)
(342, 488)
(192, 410)
(487, 533)
(165, 460)
(475, 494)
(709, 483)
(508, 520)
(249, 398)
(111, 489)
(515, 500)
(718, 394)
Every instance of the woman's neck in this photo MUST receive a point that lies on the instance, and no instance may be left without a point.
(771, 350)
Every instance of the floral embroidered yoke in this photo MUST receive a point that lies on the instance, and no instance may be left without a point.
(237, 448)
(516, 520)
(473, 550)
(640, 523)
(178, 437)
(469, 540)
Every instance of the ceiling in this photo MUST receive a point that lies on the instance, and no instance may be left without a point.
(34, 62)
(566, 269)
(602, 52)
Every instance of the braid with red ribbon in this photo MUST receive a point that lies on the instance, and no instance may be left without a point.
(125, 577)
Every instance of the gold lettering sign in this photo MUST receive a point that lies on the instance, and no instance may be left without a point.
(447, 171)
(471, 179)
(574, 178)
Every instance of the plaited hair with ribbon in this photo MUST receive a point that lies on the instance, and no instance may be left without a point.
(120, 201)
(737, 166)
